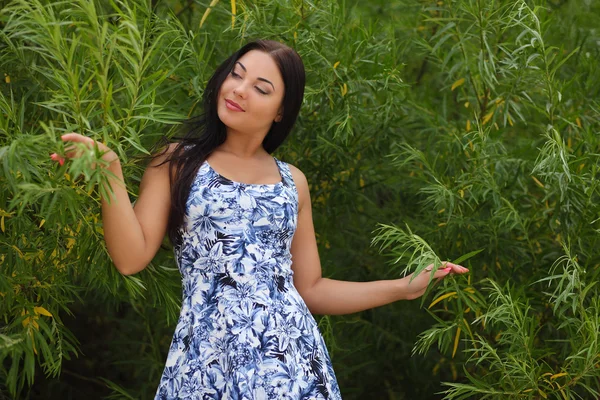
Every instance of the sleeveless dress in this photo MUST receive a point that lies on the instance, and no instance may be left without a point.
(244, 332)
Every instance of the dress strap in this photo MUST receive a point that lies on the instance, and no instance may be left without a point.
(286, 173)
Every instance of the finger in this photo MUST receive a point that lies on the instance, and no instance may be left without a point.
(57, 158)
(429, 268)
(72, 152)
(77, 147)
(442, 273)
(443, 265)
(74, 136)
(77, 138)
(455, 268)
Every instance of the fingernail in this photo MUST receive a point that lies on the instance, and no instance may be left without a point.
(61, 161)
(53, 156)
(447, 269)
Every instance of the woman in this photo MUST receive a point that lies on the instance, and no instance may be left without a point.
(241, 224)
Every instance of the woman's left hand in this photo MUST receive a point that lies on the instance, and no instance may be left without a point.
(418, 285)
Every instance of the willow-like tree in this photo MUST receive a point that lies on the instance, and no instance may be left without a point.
(432, 129)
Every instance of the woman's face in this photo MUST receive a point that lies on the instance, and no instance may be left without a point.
(250, 98)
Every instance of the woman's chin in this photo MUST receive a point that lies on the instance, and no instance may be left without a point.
(231, 121)
(237, 123)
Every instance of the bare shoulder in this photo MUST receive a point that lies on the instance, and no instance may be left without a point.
(162, 155)
(156, 175)
(297, 174)
(301, 184)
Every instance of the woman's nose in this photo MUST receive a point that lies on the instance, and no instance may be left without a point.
(240, 91)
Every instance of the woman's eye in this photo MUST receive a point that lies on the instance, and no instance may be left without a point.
(236, 76)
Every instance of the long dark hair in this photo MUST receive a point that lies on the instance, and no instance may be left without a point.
(204, 133)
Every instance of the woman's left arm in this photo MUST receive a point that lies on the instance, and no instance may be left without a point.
(328, 296)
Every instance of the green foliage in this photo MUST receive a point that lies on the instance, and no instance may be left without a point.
(474, 124)
(509, 166)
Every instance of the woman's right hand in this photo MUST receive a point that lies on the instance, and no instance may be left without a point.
(416, 286)
(73, 151)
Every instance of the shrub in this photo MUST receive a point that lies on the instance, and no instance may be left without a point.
(463, 128)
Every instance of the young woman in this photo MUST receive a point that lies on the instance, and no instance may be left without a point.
(241, 225)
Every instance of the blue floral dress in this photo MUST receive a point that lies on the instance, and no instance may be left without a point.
(244, 331)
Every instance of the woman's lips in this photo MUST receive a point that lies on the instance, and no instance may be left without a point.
(233, 106)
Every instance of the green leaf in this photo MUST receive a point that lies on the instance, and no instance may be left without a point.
(465, 257)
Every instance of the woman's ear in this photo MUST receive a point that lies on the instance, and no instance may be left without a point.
(279, 115)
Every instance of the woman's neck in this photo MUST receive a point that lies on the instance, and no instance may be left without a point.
(243, 146)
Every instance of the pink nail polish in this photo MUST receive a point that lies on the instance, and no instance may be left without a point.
(447, 269)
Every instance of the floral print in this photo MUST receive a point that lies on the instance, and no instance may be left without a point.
(244, 332)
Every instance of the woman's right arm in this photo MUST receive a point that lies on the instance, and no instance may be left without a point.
(133, 235)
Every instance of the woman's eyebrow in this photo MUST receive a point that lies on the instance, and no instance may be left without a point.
(260, 79)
